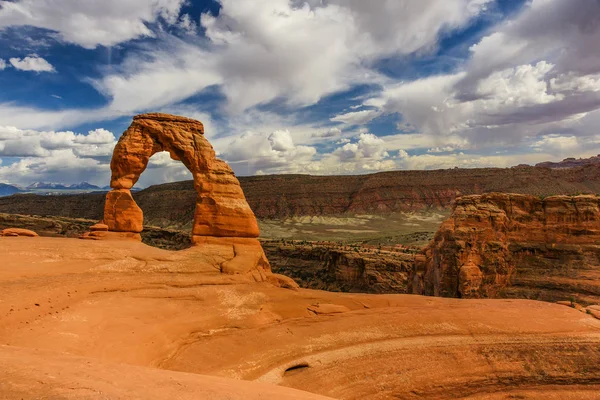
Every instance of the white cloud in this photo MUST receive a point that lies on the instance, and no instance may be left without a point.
(357, 117)
(531, 86)
(90, 23)
(558, 145)
(159, 77)
(16, 142)
(535, 75)
(61, 166)
(32, 63)
(259, 52)
(187, 24)
(570, 82)
(519, 87)
(275, 152)
(68, 157)
(394, 26)
(2, 64)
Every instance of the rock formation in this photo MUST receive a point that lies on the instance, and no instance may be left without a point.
(342, 268)
(282, 196)
(221, 208)
(18, 232)
(122, 320)
(223, 221)
(510, 245)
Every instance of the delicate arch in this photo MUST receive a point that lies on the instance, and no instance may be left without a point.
(221, 207)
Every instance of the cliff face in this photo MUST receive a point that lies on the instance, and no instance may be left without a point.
(339, 268)
(279, 196)
(510, 245)
(289, 195)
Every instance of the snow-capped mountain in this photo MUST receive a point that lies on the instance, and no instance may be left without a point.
(84, 186)
(44, 185)
(61, 186)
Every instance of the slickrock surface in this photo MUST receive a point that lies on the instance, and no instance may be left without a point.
(221, 209)
(120, 319)
(510, 245)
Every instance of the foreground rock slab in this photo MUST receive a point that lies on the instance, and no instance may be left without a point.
(28, 373)
(123, 308)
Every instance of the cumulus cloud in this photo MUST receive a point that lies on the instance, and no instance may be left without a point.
(62, 156)
(68, 157)
(255, 152)
(90, 23)
(16, 142)
(532, 77)
(531, 86)
(2, 64)
(62, 166)
(297, 52)
(32, 63)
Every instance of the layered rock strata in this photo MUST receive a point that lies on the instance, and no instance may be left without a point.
(510, 245)
(342, 268)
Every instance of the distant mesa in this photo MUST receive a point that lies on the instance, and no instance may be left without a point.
(570, 162)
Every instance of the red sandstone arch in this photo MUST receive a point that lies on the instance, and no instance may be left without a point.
(221, 207)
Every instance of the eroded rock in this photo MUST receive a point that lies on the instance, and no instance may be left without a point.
(18, 232)
(121, 213)
(512, 245)
(224, 225)
(221, 208)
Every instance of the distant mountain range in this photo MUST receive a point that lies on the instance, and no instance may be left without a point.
(7, 190)
(51, 188)
(60, 186)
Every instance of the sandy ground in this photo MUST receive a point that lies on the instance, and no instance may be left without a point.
(115, 320)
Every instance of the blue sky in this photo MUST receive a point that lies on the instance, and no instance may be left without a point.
(293, 86)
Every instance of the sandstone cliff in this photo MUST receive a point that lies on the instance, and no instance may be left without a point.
(510, 245)
(280, 196)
